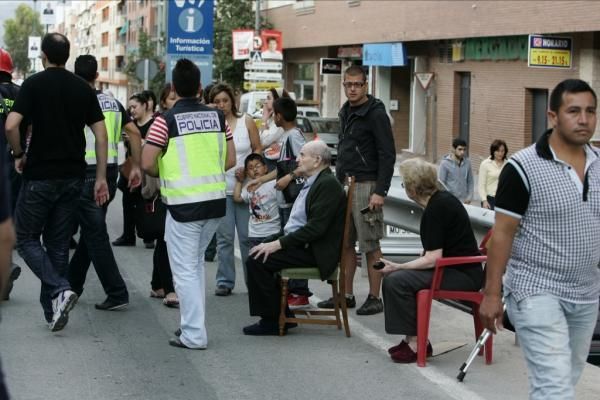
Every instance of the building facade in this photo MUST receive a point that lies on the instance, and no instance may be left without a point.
(482, 88)
(111, 53)
(110, 30)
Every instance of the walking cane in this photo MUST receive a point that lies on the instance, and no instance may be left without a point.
(483, 338)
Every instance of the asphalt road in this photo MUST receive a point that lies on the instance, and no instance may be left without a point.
(103, 355)
(124, 354)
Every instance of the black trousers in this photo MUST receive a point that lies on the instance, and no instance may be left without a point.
(3, 389)
(264, 287)
(128, 201)
(400, 294)
(162, 278)
(94, 245)
(491, 201)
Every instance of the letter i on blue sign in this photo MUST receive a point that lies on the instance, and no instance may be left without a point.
(190, 19)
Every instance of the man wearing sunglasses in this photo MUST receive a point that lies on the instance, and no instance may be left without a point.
(366, 151)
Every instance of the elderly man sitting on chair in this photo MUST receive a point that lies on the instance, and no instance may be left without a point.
(312, 237)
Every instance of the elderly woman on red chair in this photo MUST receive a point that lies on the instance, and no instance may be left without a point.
(445, 232)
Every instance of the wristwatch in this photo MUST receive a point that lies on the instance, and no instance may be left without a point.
(293, 175)
(17, 156)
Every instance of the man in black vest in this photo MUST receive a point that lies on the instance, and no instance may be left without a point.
(7, 236)
(9, 91)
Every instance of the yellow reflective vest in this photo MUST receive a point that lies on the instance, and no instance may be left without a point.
(192, 166)
(113, 119)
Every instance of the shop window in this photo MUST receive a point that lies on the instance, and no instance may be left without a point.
(445, 52)
(304, 81)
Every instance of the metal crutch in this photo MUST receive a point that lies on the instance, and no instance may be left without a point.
(483, 338)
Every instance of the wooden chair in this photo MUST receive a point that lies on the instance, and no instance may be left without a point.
(338, 286)
(425, 299)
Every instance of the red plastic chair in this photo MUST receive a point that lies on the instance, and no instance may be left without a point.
(425, 298)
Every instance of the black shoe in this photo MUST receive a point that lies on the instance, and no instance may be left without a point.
(177, 332)
(111, 305)
(266, 328)
(123, 241)
(149, 244)
(222, 291)
(262, 328)
(371, 306)
(209, 258)
(175, 342)
(15, 272)
(350, 302)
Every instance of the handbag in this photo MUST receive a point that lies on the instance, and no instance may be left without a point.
(285, 167)
(150, 216)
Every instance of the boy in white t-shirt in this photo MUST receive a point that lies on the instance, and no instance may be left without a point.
(264, 209)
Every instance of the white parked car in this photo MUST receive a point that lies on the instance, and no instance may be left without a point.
(308, 111)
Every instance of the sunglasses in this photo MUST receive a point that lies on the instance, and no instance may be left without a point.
(357, 85)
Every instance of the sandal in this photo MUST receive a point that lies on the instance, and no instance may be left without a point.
(171, 300)
(158, 293)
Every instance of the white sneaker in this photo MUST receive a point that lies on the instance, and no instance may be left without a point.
(61, 305)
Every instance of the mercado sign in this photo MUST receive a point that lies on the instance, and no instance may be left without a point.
(549, 51)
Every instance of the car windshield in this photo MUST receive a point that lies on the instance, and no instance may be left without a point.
(301, 124)
(326, 126)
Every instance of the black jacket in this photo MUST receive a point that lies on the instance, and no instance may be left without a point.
(366, 148)
(324, 229)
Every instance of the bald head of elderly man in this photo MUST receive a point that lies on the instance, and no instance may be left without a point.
(311, 237)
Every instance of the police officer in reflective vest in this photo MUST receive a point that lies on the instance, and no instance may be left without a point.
(190, 147)
(94, 245)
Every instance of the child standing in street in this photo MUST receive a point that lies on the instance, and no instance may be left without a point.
(262, 202)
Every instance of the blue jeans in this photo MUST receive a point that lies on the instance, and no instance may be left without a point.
(94, 244)
(236, 217)
(186, 243)
(47, 209)
(555, 336)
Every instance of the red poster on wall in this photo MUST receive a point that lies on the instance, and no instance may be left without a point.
(272, 45)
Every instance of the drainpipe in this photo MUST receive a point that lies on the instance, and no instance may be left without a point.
(257, 19)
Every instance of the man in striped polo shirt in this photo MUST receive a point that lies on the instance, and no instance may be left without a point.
(547, 238)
